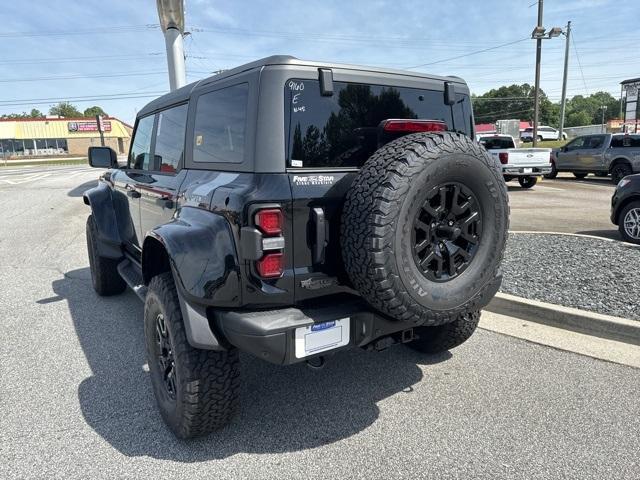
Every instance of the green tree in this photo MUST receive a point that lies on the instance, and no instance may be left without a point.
(35, 113)
(65, 109)
(93, 111)
(588, 110)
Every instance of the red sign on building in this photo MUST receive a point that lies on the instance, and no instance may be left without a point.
(88, 126)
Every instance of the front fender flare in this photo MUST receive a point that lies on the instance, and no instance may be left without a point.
(100, 199)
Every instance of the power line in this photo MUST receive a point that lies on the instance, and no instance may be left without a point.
(30, 61)
(573, 42)
(82, 100)
(80, 76)
(468, 54)
(92, 31)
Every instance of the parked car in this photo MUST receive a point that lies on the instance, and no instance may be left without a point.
(291, 209)
(544, 133)
(625, 208)
(604, 154)
(525, 164)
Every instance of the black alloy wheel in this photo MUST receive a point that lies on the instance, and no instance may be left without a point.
(446, 232)
(165, 357)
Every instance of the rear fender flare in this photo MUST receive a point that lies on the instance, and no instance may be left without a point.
(202, 255)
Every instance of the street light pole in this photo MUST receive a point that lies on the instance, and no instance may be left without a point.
(563, 102)
(171, 13)
(536, 102)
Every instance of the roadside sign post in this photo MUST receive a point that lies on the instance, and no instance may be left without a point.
(100, 128)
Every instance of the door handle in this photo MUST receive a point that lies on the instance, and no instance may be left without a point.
(133, 193)
(317, 214)
(164, 202)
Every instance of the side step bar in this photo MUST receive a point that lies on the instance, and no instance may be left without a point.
(131, 274)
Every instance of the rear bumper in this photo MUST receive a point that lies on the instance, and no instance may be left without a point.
(270, 334)
(516, 171)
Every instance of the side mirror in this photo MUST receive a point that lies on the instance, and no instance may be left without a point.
(102, 157)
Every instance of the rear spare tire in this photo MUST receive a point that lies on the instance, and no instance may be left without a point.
(424, 228)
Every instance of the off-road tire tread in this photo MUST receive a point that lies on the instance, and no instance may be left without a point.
(445, 337)
(105, 278)
(210, 380)
(373, 201)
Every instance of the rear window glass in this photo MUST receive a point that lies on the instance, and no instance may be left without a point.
(495, 143)
(342, 130)
(220, 125)
(621, 141)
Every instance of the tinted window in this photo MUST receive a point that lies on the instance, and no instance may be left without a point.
(169, 144)
(577, 143)
(342, 130)
(495, 143)
(220, 125)
(141, 145)
(622, 141)
(594, 141)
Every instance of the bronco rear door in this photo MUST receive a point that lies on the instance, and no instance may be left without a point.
(330, 133)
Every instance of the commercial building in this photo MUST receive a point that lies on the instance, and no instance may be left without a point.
(60, 136)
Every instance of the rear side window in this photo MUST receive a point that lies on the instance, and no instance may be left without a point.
(220, 125)
(169, 146)
(622, 141)
(141, 146)
(342, 130)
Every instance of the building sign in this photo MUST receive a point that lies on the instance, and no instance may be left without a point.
(88, 126)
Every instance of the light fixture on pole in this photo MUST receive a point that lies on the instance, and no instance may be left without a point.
(171, 14)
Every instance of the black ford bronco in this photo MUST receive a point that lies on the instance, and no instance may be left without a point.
(291, 209)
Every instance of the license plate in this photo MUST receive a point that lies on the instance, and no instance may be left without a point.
(321, 337)
(527, 170)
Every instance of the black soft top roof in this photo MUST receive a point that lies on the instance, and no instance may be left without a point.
(182, 94)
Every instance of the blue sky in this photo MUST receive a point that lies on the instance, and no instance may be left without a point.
(56, 50)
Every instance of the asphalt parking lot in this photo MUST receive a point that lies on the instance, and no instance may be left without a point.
(75, 399)
(564, 204)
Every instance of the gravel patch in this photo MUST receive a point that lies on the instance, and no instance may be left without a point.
(585, 273)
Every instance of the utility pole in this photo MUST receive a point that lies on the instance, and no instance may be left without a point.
(604, 109)
(171, 13)
(563, 102)
(536, 102)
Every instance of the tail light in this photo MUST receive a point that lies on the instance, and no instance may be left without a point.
(413, 126)
(269, 221)
(504, 157)
(271, 265)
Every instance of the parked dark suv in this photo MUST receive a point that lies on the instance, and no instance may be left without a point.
(290, 209)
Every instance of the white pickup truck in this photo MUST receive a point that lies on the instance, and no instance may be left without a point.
(527, 164)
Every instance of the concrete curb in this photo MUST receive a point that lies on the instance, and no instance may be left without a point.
(582, 321)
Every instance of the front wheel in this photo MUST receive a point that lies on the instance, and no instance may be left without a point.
(445, 337)
(105, 278)
(579, 175)
(629, 223)
(197, 391)
(619, 171)
(527, 182)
